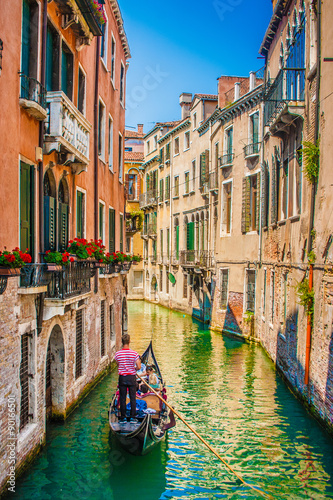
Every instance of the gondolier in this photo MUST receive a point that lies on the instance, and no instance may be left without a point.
(128, 363)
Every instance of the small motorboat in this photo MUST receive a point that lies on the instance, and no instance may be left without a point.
(153, 415)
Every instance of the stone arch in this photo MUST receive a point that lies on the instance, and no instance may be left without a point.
(124, 316)
(55, 390)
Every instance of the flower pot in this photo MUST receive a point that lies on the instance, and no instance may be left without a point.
(51, 267)
(9, 271)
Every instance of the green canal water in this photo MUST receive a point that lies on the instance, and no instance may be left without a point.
(228, 391)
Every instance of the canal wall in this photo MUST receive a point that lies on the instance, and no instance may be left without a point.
(47, 368)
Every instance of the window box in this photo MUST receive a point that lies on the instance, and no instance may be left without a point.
(9, 271)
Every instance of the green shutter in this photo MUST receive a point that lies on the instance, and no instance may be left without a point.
(79, 214)
(64, 71)
(177, 242)
(258, 202)
(63, 226)
(191, 236)
(112, 231)
(255, 125)
(202, 169)
(49, 223)
(265, 195)
(26, 207)
(101, 221)
(26, 35)
(207, 165)
(121, 220)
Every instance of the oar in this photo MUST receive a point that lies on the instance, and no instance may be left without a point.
(262, 493)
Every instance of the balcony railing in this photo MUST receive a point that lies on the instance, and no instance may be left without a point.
(213, 181)
(152, 229)
(153, 258)
(148, 199)
(202, 259)
(252, 149)
(34, 275)
(289, 85)
(72, 281)
(86, 14)
(226, 159)
(33, 96)
(67, 130)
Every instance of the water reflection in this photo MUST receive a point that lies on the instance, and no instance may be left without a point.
(230, 393)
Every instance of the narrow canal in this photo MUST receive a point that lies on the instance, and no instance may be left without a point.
(228, 391)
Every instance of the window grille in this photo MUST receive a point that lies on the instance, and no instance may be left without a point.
(103, 328)
(224, 288)
(112, 326)
(79, 342)
(24, 380)
(251, 287)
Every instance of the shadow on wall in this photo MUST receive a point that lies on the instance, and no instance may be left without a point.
(286, 352)
(234, 313)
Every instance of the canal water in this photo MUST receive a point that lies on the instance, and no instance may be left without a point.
(229, 392)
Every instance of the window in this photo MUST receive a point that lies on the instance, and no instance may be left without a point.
(132, 184)
(228, 142)
(167, 152)
(145, 250)
(101, 130)
(194, 121)
(148, 147)
(110, 144)
(79, 344)
(176, 247)
(128, 246)
(66, 70)
(193, 174)
(112, 325)
(226, 207)
(168, 242)
(138, 279)
(80, 214)
(161, 157)
(254, 131)
(224, 283)
(120, 157)
(204, 168)
(27, 197)
(176, 186)
(250, 203)
(25, 372)
(81, 92)
(176, 146)
(112, 230)
(52, 60)
(113, 58)
(216, 156)
(250, 290)
(161, 280)
(29, 53)
(161, 243)
(187, 183)
(101, 221)
(104, 42)
(121, 231)
(167, 281)
(272, 295)
(122, 83)
(264, 294)
(155, 142)
(284, 297)
(187, 141)
(103, 328)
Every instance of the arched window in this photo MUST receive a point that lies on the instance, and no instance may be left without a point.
(63, 214)
(50, 219)
(132, 184)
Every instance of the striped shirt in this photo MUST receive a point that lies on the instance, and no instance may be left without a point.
(126, 359)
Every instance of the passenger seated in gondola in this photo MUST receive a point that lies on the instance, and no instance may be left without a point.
(142, 372)
(153, 380)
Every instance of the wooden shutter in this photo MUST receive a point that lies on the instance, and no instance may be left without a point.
(258, 202)
(79, 214)
(112, 231)
(207, 165)
(190, 236)
(177, 242)
(49, 223)
(265, 195)
(63, 226)
(246, 205)
(26, 207)
(202, 169)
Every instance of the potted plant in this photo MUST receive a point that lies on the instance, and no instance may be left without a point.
(97, 253)
(11, 262)
(136, 259)
(56, 260)
(80, 248)
(127, 262)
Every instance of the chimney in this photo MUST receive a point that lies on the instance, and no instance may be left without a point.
(185, 101)
(237, 91)
(140, 128)
(252, 80)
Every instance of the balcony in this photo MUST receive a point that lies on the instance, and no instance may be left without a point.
(67, 132)
(252, 150)
(226, 160)
(72, 281)
(85, 17)
(202, 259)
(152, 230)
(32, 97)
(284, 99)
(34, 278)
(153, 259)
(148, 199)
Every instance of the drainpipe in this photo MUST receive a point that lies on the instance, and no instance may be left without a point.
(98, 49)
(313, 199)
(41, 134)
(262, 164)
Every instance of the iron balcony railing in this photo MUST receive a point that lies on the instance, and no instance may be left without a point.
(226, 159)
(152, 229)
(72, 281)
(200, 258)
(153, 258)
(32, 90)
(34, 275)
(149, 198)
(289, 85)
(213, 181)
(252, 149)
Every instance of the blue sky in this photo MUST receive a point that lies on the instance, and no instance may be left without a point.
(182, 46)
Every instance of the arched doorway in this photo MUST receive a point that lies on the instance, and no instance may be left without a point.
(63, 211)
(124, 317)
(55, 401)
(50, 222)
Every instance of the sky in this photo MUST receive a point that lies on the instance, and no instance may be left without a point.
(184, 46)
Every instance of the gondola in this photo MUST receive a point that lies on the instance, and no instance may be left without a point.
(154, 417)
